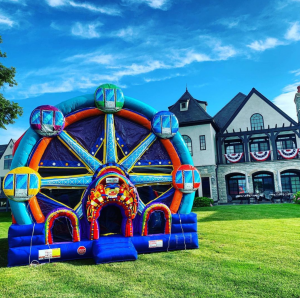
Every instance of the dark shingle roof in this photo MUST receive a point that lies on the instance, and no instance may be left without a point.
(195, 112)
(222, 117)
(2, 149)
(187, 95)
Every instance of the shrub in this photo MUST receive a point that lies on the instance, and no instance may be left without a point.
(297, 197)
(203, 202)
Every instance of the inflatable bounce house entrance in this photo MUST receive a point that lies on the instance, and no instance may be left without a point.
(100, 176)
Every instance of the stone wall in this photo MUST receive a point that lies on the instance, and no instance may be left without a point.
(209, 171)
(250, 168)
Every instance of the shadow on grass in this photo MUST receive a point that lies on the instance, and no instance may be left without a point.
(248, 212)
(3, 252)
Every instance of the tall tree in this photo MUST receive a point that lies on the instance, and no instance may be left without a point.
(9, 110)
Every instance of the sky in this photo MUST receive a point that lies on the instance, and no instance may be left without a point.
(152, 49)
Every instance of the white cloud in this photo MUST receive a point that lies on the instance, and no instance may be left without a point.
(224, 52)
(127, 33)
(96, 57)
(136, 69)
(101, 59)
(293, 32)
(297, 71)
(109, 10)
(54, 87)
(15, 1)
(156, 4)
(187, 57)
(262, 45)
(11, 132)
(147, 80)
(56, 3)
(285, 101)
(6, 21)
(291, 87)
(236, 22)
(86, 30)
(104, 9)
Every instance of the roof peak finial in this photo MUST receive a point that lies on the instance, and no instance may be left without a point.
(186, 87)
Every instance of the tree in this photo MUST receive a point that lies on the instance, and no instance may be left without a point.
(9, 111)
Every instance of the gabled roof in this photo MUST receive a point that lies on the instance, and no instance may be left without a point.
(3, 147)
(221, 118)
(195, 113)
(237, 103)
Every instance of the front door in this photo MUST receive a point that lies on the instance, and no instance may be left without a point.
(205, 187)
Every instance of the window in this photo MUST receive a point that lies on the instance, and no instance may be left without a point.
(236, 185)
(257, 122)
(263, 182)
(7, 161)
(290, 182)
(1, 181)
(234, 146)
(259, 144)
(188, 142)
(286, 142)
(184, 105)
(202, 143)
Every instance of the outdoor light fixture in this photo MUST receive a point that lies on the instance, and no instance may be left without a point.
(213, 180)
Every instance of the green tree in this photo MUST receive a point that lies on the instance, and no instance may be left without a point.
(9, 111)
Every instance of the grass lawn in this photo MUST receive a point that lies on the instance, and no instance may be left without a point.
(245, 251)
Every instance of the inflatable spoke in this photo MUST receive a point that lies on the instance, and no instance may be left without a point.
(79, 181)
(149, 179)
(129, 161)
(110, 145)
(90, 161)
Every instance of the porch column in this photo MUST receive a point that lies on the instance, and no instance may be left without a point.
(247, 183)
(219, 148)
(273, 143)
(246, 147)
(279, 180)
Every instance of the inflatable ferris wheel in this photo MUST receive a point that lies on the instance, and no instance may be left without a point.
(100, 165)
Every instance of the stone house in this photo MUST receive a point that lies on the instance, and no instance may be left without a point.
(5, 162)
(250, 145)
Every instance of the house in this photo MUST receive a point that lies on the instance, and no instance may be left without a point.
(5, 162)
(250, 145)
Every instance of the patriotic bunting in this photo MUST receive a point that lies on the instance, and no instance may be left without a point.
(261, 155)
(234, 157)
(288, 153)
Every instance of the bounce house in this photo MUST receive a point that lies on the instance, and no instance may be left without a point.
(100, 176)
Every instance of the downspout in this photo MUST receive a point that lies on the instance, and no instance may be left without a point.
(217, 182)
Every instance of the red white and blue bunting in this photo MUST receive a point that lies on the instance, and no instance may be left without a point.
(288, 153)
(261, 155)
(234, 157)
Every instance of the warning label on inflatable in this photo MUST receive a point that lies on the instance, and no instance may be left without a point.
(155, 243)
(49, 254)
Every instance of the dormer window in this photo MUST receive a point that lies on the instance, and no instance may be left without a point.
(184, 105)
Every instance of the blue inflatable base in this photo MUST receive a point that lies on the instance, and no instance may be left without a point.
(104, 250)
(27, 244)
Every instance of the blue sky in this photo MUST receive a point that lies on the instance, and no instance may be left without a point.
(152, 49)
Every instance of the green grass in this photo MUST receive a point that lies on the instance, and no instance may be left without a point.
(245, 251)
